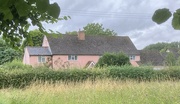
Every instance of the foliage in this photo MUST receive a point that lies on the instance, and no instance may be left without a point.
(15, 64)
(8, 54)
(2, 44)
(157, 46)
(129, 72)
(97, 29)
(170, 59)
(178, 61)
(21, 79)
(24, 76)
(113, 59)
(17, 15)
(72, 33)
(162, 46)
(162, 15)
(35, 38)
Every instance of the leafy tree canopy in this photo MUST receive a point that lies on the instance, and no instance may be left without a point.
(8, 54)
(2, 43)
(35, 38)
(72, 33)
(17, 15)
(98, 29)
(162, 15)
(170, 59)
(161, 46)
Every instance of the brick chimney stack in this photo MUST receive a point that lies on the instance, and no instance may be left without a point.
(81, 35)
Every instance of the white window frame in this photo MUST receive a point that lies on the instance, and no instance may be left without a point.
(132, 57)
(41, 59)
(72, 57)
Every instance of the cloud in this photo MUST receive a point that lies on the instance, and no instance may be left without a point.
(125, 17)
(154, 34)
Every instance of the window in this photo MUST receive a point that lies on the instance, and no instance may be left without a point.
(72, 57)
(41, 59)
(132, 57)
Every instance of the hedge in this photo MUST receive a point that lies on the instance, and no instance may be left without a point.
(21, 78)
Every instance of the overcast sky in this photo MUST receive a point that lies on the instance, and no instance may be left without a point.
(126, 17)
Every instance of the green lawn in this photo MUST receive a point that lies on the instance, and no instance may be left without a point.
(101, 92)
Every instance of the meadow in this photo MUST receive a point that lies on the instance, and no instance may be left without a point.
(99, 92)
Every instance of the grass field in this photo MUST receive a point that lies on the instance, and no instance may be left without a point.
(100, 92)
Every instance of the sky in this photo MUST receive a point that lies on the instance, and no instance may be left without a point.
(126, 17)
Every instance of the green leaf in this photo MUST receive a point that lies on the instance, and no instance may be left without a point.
(42, 5)
(27, 27)
(65, 18)
(7, 14)
(3, 3)
(31, 1)
(161, 15)
(22, 8)
(54, 10)
(176, 20)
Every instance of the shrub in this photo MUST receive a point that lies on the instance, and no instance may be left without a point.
(9, 54)
(170, 59)
(129, 72)
(21, 78)
(15, 64)
(113, 59)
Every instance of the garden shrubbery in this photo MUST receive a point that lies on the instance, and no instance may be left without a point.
(113, 59)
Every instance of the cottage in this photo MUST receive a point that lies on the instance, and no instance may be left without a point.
(64, 51)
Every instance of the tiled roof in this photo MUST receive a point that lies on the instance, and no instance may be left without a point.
(38, 51)
(92, 45)
(151, 57)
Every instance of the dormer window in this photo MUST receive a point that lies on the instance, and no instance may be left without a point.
(72, 57)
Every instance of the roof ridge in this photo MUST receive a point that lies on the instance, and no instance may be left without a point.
(91, 35)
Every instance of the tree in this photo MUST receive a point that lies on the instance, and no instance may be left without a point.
(178, 61)
(17, 15)
(170, 59)
(8, 54)
(35, 38)
(72, 33)
(113, 59)
(97, 29)
(162, 46)
(2, 43)
(157, 46)
(162, 15)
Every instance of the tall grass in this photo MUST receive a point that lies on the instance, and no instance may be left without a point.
(100, 92)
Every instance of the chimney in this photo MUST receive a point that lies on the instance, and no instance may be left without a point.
(81, 35)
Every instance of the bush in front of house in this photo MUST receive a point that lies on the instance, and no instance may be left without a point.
(113, 59)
